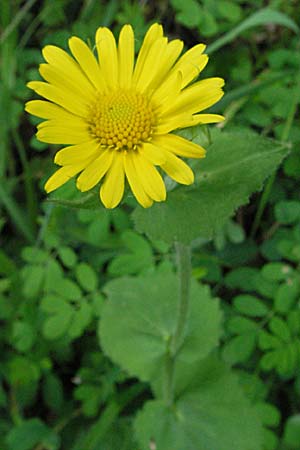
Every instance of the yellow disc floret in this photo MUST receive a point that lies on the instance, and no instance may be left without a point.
(121, 120)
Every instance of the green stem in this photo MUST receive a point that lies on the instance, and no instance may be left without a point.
(284, 137)
(183, 253)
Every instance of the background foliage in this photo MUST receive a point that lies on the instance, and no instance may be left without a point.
(59, 267)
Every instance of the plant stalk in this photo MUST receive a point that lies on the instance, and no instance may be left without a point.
(183, 259)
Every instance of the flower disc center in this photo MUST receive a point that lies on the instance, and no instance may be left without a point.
(121, 119)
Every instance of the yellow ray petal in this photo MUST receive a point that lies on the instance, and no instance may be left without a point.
(167, 92)
(198, 119)
(61, 176)
(134, 181)
(165, 62)
(56, 77)
(152, 64)
(168, 124)
(87, 61)
(95, 171)
(126, 56)
(179, 146)
(191, 64)
(77, 153)
(62, 135)
(149, 177)
(153, 153)
(47, 110)
(73, 122)
(155, 32)
(197, 97)
(112, 189)
(178, 170)
(76, 105)
(107, 55)
(66, 66)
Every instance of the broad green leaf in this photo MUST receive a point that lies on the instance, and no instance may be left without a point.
(250, 306)
(263, 17)
(30, 433)
(211, 414)
(236, 165)
(139, 319)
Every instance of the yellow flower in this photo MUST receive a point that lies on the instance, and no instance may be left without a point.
(117, 115)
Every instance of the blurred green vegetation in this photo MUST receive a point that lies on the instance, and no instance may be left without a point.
(57, 387)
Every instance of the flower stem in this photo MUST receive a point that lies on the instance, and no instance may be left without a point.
(183, 254)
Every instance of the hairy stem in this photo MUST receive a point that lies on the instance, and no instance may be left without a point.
(183, 254)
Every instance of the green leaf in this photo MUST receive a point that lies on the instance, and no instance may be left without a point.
(239, 349)
(59, 321)
(280, 328)
(80, 320)
(34, 255)
(140, 257)
(236, 165)
(286, 295)
(67, 256)
(140, 317)
(211, 413)
(263, 17)
(91, 397)
(67, 289)
(188, 13)
(33, 277)
(291, 435)
(86, 277)
(23, 336)
(30, 433)
(276, 271)
(241, 278)
(269, 414)
(287, 211)
(241, 325)
(250, 306)
(53, 394)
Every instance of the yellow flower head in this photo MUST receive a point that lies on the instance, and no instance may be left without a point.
(117, 115)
